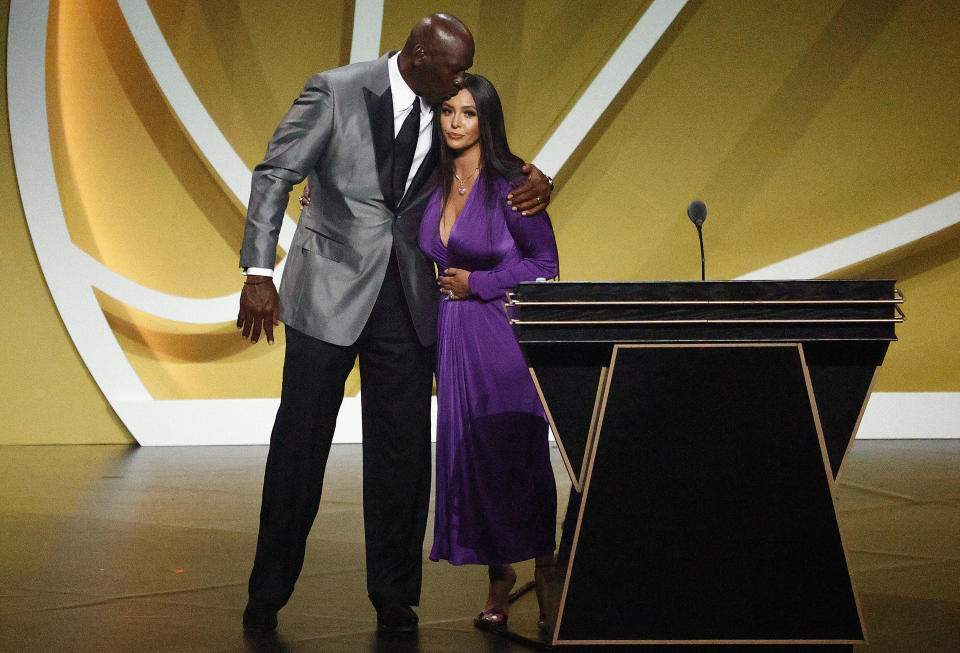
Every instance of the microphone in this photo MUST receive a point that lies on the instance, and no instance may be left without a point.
(697, 212)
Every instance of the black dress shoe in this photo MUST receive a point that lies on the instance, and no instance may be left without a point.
(258, 620)
(396, 619)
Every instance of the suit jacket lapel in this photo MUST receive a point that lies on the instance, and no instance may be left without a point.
(380, 111)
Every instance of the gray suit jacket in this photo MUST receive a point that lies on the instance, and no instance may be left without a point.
(339, 133)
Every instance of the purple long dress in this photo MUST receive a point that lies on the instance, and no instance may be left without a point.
(496, 497)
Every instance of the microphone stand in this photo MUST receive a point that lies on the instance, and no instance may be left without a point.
(703, 265)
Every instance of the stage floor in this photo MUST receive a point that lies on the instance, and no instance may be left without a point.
(113, 548)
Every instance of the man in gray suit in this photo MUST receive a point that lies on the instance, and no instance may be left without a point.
(355, 284)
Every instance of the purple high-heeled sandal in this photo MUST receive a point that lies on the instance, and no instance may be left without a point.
(492, 620)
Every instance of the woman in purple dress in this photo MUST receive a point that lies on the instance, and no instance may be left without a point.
(496, 497)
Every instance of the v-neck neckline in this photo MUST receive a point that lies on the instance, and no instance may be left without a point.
(456, 219)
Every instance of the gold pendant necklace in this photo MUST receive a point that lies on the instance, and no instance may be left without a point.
(463, 190)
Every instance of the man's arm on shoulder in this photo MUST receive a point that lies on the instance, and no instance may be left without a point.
(533, 195)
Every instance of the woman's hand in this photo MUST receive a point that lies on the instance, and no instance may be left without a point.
(454, 284)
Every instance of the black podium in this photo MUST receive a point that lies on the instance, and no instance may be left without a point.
(704, 424)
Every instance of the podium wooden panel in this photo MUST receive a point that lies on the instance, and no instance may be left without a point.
(705, 424)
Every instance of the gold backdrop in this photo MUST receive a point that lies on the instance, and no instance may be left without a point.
(797, 122)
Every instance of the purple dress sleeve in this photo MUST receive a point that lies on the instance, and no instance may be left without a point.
(536, 256)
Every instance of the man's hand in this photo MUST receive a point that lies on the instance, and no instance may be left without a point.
(258, 308)
(454, 283)
(534, 195)
(305, 196)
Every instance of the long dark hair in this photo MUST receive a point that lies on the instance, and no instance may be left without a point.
(496, 159)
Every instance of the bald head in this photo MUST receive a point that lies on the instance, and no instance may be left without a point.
(436, 56)
(438, 31)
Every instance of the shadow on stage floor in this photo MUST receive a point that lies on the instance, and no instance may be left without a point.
(111, 548)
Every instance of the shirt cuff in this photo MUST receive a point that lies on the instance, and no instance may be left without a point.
(261, 272)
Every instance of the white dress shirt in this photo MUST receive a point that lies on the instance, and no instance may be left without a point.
(403, 97)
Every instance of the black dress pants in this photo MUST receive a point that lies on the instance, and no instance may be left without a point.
(396, 377)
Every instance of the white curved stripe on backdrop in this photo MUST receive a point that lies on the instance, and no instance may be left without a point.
(36, 177)
(367, 27)
(70, 275)
(192, 310)
(609, 81)
(866, 244)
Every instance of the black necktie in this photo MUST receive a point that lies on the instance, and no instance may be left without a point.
(404, 147)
